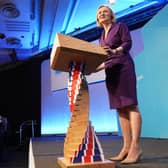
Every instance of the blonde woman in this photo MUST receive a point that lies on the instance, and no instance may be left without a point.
(121, 82)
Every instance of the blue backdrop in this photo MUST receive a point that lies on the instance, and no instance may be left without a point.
(150, 53)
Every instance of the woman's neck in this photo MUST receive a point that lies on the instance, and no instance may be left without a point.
(106, 28)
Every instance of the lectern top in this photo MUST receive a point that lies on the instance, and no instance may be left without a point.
(67, 49)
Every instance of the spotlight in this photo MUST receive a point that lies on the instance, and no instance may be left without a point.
(2, 36)
(9, 10)
(77, 28)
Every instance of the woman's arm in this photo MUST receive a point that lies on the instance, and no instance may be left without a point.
(125, 38)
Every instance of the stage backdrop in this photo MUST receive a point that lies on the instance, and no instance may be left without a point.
(152, 66)
(150, 53)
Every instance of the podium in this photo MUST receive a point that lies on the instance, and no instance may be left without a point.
(78, 57)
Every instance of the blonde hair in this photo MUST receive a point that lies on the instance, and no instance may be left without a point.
(112, 15)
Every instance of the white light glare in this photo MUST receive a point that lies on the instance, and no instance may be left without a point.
(111, 1)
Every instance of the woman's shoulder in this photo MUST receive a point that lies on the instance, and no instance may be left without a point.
(121, 24)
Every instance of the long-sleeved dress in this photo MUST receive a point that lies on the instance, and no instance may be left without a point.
(119, 68)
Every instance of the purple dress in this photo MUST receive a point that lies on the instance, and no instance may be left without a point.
(119, 68)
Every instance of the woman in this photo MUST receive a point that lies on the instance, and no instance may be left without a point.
(121, 82)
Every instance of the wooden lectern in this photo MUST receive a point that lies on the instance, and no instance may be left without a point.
(81, 146)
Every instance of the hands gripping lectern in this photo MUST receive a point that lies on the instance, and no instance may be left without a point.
(81, 146)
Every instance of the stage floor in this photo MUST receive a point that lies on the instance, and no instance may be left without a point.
(46, 150)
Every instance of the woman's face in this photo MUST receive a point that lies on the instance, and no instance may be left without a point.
(104, 15)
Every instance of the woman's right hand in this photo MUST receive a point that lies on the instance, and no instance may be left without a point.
(109, 50)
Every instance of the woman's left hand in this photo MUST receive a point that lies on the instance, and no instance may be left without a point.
(100, 67)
